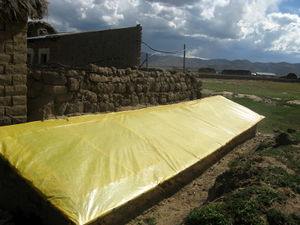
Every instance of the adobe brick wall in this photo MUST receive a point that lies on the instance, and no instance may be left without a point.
(116, 47)
(61, 91)
(13, 73)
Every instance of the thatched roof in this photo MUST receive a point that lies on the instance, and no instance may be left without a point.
(20, 10)
(39, 28)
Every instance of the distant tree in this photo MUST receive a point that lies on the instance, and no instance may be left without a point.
(206, 70)
(291, 76)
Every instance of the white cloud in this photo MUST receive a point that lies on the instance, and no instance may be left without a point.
(257, 23)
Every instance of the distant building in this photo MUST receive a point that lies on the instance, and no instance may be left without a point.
(116, 47)
(207, 70)
(236, 72)
(265, 74)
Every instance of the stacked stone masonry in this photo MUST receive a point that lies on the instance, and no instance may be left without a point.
(13, 73)
(60, 91)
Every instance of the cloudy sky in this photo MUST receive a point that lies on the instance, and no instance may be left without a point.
(257, 30)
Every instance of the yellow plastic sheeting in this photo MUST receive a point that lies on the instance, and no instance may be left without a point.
(92, 164)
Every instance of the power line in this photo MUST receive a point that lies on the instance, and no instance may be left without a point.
(161, 51)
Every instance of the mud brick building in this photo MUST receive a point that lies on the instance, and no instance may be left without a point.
(13, 54)
(120, 48)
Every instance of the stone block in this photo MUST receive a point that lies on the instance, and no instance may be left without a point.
(16, 69)
(64, 97)
(5, 121)
(20, 58)
(162, 99)
(55, 90)
(142, 98)
(4, 58)
(19, 119)
(60, 109)
(5, 101)
(21, 48)
(183, 86)
(109, 88)
(130, 88)
(73, 84)
(54, 78)
(9, 47)
(120, 88)
(72, 73)
(2, 92)
(2, 69)
(90, 107)
(37, 75)
(97, 78)
(16, 110)
(157, 87)
(134, 99)
(116, 80)
(16, 90)
(19, 79)
(2, 110)
(5, 79)
(139, 88)
(19, 100)
(1, 46)
(77, 107)
(90, 96)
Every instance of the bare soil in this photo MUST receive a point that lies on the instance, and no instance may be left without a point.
(173, 210)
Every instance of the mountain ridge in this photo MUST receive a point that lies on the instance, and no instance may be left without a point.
(193, 64)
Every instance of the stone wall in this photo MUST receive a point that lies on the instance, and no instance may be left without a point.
(13, 70)
(62, 91)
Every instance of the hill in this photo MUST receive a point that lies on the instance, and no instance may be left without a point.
(193, 64)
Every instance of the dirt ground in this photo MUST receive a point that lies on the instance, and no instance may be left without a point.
(173, 210)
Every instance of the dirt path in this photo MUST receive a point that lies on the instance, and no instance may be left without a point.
(173, 210)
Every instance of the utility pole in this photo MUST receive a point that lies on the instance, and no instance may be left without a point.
(147, 60)
(184, 58)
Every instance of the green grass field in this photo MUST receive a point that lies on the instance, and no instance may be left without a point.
(278, 117)
(268, 89)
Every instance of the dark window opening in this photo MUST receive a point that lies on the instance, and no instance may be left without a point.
(44, 58)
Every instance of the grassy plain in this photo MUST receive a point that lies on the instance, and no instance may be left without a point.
(279, 116)
(268, 89)
(261, 187)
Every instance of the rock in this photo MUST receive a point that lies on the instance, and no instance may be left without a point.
(90, 96)
(54, 78)
(71, 73)
(73, 84)
(97, 78)
(283, 139)
(290, 131)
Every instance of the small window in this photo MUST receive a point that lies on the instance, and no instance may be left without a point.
(44, 56)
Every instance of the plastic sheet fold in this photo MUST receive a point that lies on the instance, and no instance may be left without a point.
(92, 164)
